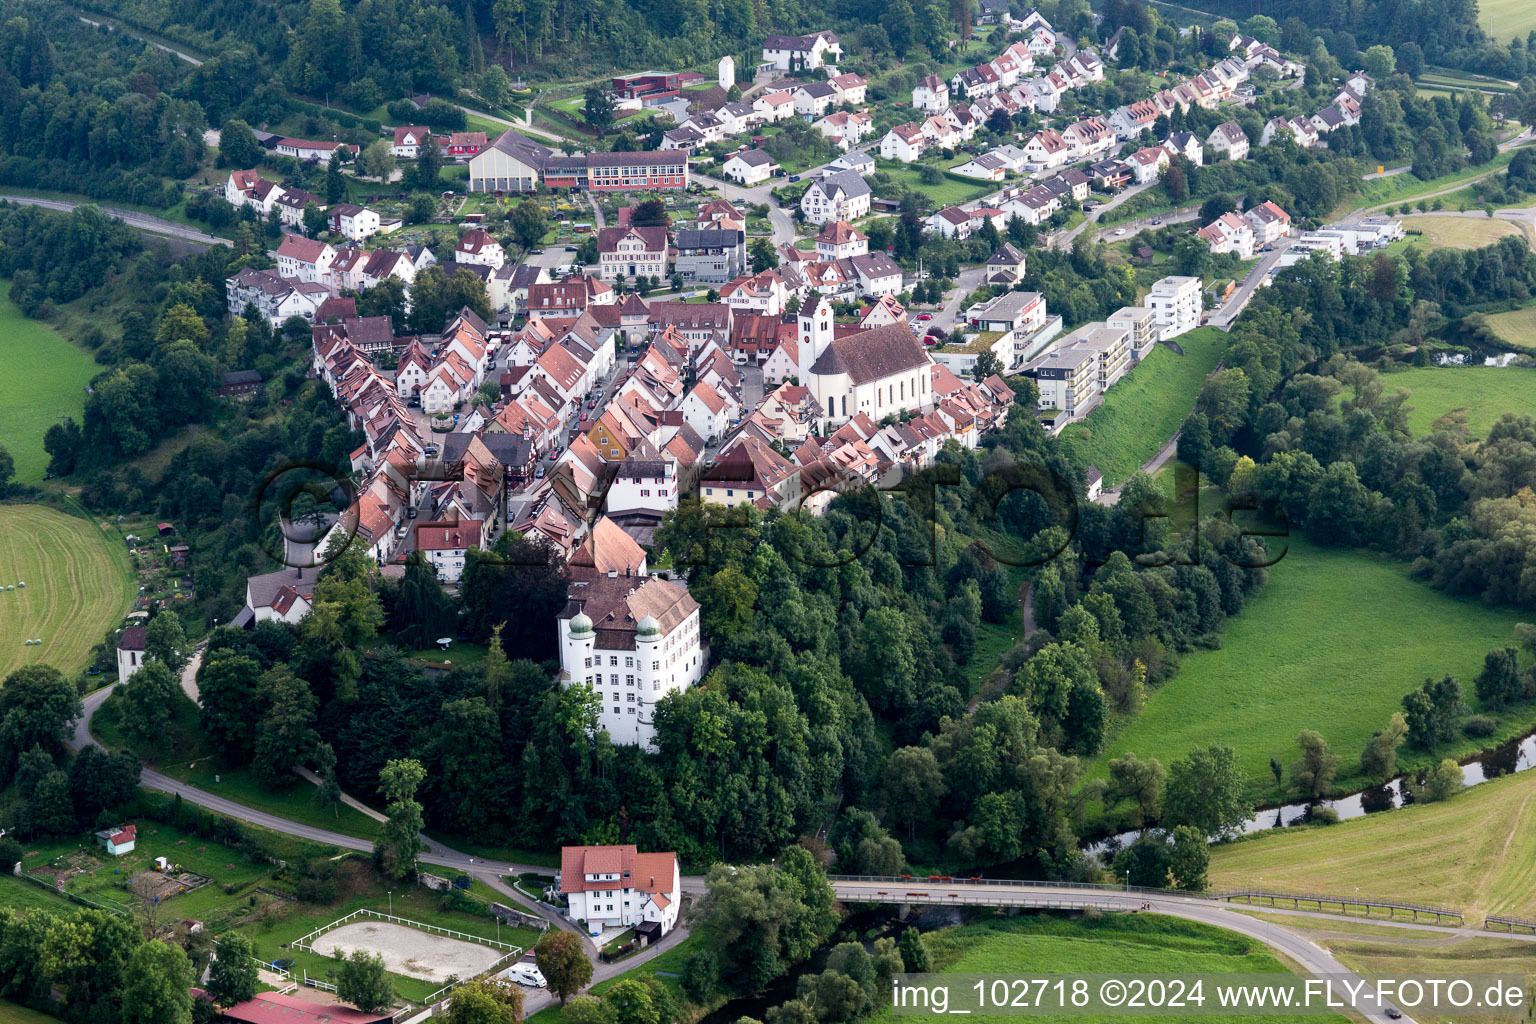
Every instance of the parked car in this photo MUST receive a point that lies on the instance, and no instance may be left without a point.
(535, 252)
(925, 316)
(583, 417)
(554, 453)
(410, 513)
(794, 178)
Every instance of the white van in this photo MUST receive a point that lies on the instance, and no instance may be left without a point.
(525, 974)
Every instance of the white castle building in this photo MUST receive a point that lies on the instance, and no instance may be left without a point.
(633, 639)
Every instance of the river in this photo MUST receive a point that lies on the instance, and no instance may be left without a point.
(1516, 755)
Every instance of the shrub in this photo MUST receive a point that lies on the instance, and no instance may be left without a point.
(1479, 725)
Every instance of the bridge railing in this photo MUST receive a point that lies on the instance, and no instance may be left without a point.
(1249, 895)
(1510, 924)
(1296, 899)
(1011, 882)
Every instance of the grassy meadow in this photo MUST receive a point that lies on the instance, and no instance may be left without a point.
(1331, 643)
(1516, 327)
(1118, 943)
(1142, 411)
(1476, 395)
(1448, 232)
(1475, 852)
(45, 378)
(78, 585)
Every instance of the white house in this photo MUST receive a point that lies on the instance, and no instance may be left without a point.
(352, 221)
(634, 640)
(408, 141)
(1229, 233)
(904, 142)
(931, 94)
(985, 167)
(443, 544)
(847, 129)
(1175, 302)
(802, 53)
(619, 887)
(130, 652)
(1268, 222)
(626, 253)
(304, 259)
(275, 297)
(749, 166)
(646, 484)
(478, 247)
(842, 195)
(706, 411)
(814, 99)
(839, 239)
(774, 106)
(283, 596)
(850, 87)
(1230, 139)
(1187, 145)
(1046, 150)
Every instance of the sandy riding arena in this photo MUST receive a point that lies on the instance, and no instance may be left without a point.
(407, 951)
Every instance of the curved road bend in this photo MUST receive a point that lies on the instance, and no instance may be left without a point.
(1311, 957)
(434, 852)
(142, 221)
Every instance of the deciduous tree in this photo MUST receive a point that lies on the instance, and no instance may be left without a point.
(563, 962)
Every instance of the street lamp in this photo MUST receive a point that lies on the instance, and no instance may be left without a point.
(391, 896)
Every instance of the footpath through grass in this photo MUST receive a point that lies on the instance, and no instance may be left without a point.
(1142, 411)
(78, 585)
(1476, 395)
(45, 378)
(1111, 943)
(1475, 852)
(1332, 643)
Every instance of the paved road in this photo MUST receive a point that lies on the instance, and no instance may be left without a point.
(117, 27)
(1111, 497)
(968, 281)
(1062, 240)
(1126, 229)
(1224, 317)
(142, 221)
(1311, 957)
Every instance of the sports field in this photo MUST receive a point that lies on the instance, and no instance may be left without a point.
(78, 585)
(44, 378)
(1475, 852)
(1447, 232)
(1113, 943)
(1324, 646)
(1143, 410)
(1477, 394)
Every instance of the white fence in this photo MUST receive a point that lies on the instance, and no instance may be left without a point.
(305, 942)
